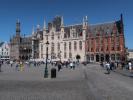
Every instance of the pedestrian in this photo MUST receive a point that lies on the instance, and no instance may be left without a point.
(59, 66)
(130, 66)
(11, 62)
(71, 65)
(17, 67)
(107, 67)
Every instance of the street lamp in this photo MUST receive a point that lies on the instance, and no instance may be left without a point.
(60, 55)
(46, 68)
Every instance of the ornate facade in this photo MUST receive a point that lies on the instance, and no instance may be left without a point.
(20, 46)
(65, 42)
(106, 42)
(99, 42)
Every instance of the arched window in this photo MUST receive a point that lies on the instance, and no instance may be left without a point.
(69, 45)
(70, 55)
(65, 46)
(52, 37)
(80, 45)
(58, 48)
(65, 56)
(75, 45)
(52, 48)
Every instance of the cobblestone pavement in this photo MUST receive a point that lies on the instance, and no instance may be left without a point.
(84, 83)
(30, 84)
(111, 86)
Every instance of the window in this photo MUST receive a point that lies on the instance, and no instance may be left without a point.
(97, 50)
(75, 45)
(118, 47)
(65, 36)
(64, 45)
(112, 40)
(88, 49)
(117, 40)
(69, 45)
(65, 55)
(52, 47)
(58, 48)
(58, 37)
(97, 40)
(80, 45)
(113, 48)
(52, 37)
(101, 41)
(101, 48)
(91, 49)
(70, 55)
(107, 48)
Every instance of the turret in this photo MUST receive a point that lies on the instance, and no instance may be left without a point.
(18, 28)
(44, 26)
(85, 27)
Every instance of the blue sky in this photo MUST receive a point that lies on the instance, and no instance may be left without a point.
(33, 12)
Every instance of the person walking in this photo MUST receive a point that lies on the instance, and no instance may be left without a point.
(71, 65)
(59, 66)
(130, 66)
(108, 67)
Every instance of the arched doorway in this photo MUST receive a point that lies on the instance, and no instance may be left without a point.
(88, 58)
(102, 57)
(92, 57)
(107, 57)
(113, 57)
(97, 58)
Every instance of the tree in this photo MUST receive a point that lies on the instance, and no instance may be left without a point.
(78, 57)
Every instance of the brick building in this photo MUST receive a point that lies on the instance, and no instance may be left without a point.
(106, 42)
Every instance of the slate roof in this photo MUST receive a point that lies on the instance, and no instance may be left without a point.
(1, 44)
(101, 28)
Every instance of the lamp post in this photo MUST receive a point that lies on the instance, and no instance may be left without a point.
(46, 68)
(60, 55)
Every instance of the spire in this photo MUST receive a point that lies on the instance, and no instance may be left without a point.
(121, 17)
(83, 22)
(38, 28)
(33, 30)
(86, 19)
(18, 27)
(62, 21)
(44, 27)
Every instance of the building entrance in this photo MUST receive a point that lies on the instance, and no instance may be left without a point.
(97, 58)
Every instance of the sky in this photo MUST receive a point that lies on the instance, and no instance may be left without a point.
(33, 12)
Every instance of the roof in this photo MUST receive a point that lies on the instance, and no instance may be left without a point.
(130, 50)
(101, 28)
(1, 44)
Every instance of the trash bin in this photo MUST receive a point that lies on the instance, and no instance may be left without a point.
(53, 73)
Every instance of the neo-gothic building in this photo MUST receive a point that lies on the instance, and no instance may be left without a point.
(99, 42)
(65, 42)
(105, 42)
(20, 46)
